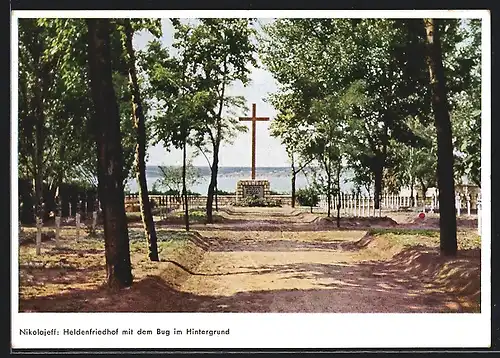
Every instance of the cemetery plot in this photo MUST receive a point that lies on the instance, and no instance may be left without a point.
(259, 269)
(389, 216)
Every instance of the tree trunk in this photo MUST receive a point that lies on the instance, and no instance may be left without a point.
(39, 118)
(216, 198)
(184, 190)
(140, 148)
(446, 184)
(110, 155)
(424, 190)
(329, 192)
(339, 198)
(39, 139)
(294, 176)
(412, 186)
(213, 183)
(212, 187)
(377, 191)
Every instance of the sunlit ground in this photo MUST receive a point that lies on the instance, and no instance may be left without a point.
(255, 270)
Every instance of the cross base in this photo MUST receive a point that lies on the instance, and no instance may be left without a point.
(252, 187)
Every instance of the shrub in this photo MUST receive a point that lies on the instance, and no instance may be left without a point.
(277, 193)
(223, 192)
(256, 201)
(307, 197)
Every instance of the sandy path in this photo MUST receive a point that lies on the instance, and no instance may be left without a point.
(273, 271)
(306, 280)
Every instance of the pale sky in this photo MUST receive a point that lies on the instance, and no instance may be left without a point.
(269, 151)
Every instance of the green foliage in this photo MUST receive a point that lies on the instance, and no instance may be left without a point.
(399, 231)
(272, 192)
(61, 71)
(223, 192)
(253, 201)
(196, 215)
(43, 45)
(466, 112)
(308, 197)
(172, 177)
(193, 103)
(367, 80)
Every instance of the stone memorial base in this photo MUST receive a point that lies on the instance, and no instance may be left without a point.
(252, 187)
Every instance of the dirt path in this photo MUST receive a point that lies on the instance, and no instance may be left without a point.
(260, 260)
(319, 271)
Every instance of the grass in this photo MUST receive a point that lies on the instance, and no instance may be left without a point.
(195, 216)
(466, 239)
(80, 264)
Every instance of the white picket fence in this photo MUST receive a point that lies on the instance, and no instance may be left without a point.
(364, 206)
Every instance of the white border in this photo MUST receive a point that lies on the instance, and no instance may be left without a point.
(356, 14)
(486, 168)
(269, 330)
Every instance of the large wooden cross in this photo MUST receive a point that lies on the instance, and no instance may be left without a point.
(254, 119)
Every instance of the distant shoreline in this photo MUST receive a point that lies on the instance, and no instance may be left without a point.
(279, 178)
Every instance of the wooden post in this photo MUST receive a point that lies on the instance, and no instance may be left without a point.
(58, 215)
(39, 224)
(94, 214)
(77, 219)
(94, 220)
(58, 229)
(38, 235)
(20, 204)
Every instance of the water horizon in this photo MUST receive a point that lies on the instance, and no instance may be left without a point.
(279, 179)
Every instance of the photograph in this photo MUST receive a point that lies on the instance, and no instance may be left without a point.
(240, 164)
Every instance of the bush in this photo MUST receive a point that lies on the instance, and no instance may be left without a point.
(256, 201)
(277, 193)
(223, 192)
(307, 197)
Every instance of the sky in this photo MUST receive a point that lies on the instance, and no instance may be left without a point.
(269, 151)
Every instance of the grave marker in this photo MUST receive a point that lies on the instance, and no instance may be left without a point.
(254, 120)
(39, 223)
(58, 219)
(253, 187)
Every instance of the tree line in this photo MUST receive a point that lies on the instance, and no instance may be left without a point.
(395, 101)
(356, 94)
(89, 104)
